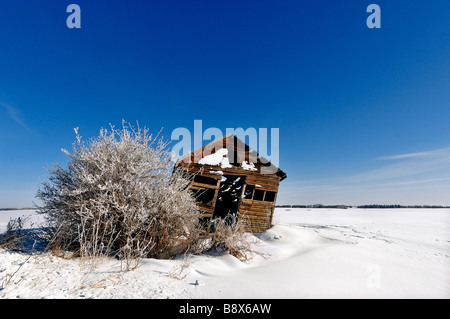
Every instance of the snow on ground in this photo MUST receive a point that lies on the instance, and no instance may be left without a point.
(30, 217)
(308, 253)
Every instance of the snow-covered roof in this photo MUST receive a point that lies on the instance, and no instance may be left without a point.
(220, 158)
(223, 156)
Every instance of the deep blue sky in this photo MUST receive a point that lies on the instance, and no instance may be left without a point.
(364, 114)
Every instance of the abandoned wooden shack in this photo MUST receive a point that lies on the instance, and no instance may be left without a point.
(228, 179)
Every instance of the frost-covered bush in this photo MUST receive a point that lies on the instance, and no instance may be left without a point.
(119, 195)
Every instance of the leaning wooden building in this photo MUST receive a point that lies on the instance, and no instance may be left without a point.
(227, 178)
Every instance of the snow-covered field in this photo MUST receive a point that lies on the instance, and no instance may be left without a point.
(308, 253)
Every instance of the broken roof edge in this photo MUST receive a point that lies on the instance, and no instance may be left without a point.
(201, 148)
(280, 173)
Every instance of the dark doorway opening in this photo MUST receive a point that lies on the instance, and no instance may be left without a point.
(229, 197)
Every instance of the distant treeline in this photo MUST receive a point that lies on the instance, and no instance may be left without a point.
(401, 206)
(314, 206)
(361, 206)
(25, 208)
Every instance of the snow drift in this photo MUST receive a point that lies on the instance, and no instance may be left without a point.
(308, 253)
